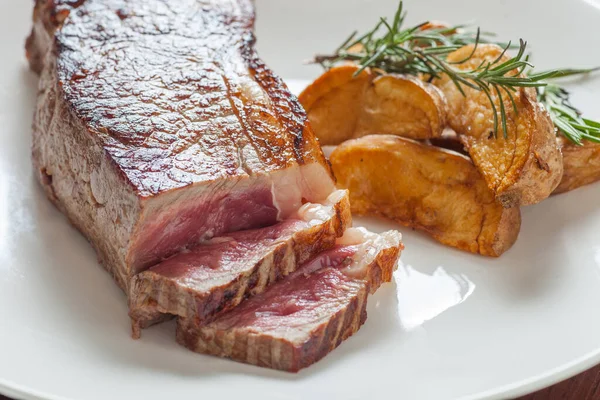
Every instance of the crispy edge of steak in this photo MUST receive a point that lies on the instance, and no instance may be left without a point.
(264, 350)
(153, 298)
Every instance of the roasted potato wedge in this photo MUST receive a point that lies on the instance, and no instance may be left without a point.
(428, 188)
(523, 168)
(341, 106)
(581, 164)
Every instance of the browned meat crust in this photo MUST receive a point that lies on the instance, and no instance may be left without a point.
(151, 106)
(292, 351)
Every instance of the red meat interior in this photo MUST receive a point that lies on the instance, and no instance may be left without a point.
(312, 293)
(223, 258)
(191, 221)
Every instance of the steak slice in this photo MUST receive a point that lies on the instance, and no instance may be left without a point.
(299, 320)
(157, 126)
(218, 274)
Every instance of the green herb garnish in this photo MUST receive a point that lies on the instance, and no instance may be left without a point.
(422, 51)
(566, 118)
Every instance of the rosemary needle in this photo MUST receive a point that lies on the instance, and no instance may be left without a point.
(422, 49)
(419, 50)
(566, 118)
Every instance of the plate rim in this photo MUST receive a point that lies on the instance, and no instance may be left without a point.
(514, 389)
(533, 383)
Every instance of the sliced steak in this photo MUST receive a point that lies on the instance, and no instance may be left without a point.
(218, 274)
(299, 320)
(157, 126)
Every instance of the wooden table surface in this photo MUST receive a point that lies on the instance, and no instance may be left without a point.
(585, 386)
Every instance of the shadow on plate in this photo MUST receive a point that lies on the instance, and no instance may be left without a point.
(543, 252)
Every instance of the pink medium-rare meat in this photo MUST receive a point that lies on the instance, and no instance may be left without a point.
(157, 126)
(218, 274)
(300, 319)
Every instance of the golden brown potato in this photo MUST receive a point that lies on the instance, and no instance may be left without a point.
(525, 167)
(581, 164)
(424, 187)
(342, 107)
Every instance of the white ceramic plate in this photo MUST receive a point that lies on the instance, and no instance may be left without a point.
(453, 325)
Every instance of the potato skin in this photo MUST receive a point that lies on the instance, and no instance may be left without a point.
(523, 168)
(581, 164)
(428, 188)
(341, 106)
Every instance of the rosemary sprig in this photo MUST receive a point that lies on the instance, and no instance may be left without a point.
(566, 118)
(461, 35)
(420, 51)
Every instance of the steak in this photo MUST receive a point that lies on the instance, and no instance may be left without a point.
(158, 127)
(300, 319)
(218, 274)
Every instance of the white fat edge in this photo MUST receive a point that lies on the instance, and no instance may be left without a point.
(310, 181)
(275, 200)
(315, 182)
(251, 92)
(369, 245)
(336, 196)
(317, 213)
(285, 193)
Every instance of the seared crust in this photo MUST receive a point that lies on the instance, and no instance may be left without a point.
(523, 168)
(431, 189)
(159, 109)
(178, 87)
(289, 110)
(148, 108)
(266, 350)
(151, 296)
(382, 269)
(581, 164)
